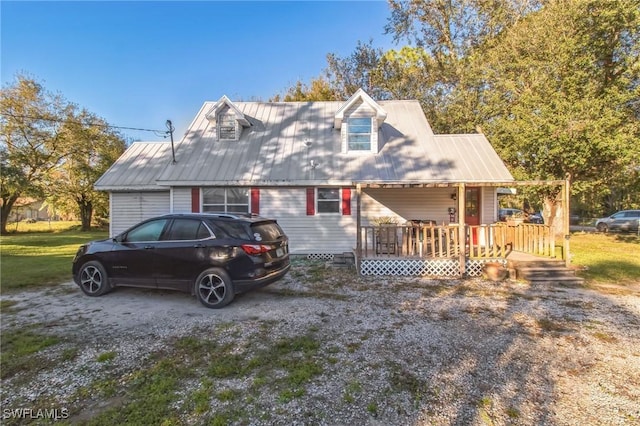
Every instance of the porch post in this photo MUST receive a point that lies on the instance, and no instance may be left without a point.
(358, 225)
(462, 193)
(566, 196)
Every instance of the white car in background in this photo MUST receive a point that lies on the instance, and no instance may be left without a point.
(624, 220)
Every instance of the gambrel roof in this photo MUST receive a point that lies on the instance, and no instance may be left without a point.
(296, 143)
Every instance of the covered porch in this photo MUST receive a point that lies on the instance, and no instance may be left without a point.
(442, 250)
(426, 248)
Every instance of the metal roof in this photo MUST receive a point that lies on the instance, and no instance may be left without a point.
(295, 143)
(137, 168)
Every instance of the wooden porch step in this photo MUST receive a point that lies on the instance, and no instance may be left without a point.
(539, 270)
(548, 275)
(346, 260)
(556, 280)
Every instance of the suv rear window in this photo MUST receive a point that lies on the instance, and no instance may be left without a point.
(267, 231)
(237, 230)
(261, 231)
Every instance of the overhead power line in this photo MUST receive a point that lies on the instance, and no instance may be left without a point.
(163, 133)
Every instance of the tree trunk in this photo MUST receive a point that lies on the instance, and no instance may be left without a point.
(86, 211)
(5, 211)
(553, 215)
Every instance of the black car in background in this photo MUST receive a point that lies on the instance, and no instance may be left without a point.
(214, 256)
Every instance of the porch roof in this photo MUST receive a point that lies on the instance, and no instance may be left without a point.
(423, 184)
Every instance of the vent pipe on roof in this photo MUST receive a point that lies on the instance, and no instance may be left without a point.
(170, 131)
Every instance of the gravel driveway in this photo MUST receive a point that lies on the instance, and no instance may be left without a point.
(375, 351)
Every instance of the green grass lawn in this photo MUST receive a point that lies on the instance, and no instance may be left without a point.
(39, 255)
(608, 258)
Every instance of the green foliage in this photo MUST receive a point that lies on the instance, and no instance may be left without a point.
(30, 142)
(318, 90)
(554, 85)
(47, 142)
(96, 147)
(560, 102)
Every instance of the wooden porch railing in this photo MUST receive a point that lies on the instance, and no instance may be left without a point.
(433, 241)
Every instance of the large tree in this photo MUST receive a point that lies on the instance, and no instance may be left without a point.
(93, 148)
(52, 149)
(30, 141)
(554, 84)
(561, 96)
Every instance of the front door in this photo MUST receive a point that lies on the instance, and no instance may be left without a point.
(472, 206)
(472, 210)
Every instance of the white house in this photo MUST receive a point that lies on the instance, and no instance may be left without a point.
(324, 170)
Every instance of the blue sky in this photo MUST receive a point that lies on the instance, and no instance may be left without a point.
(137, 64)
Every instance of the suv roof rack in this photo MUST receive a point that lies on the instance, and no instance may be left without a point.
(225, 215)
(222, 215)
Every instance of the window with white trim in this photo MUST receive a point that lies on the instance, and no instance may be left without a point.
(359, 133)
(328, 200)
(227, 200)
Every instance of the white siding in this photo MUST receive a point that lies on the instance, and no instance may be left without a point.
(335, 233)
(129, 208)
(321, 233)
(181, 200)
(489, 205)
(408, 203)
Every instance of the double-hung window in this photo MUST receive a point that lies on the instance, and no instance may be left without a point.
(227, 200)
(328, 200)
(359, 133)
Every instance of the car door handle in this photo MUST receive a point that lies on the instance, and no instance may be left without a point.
(198, 246)
(148, 247)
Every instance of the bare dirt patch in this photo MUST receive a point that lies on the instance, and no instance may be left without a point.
(325, 346)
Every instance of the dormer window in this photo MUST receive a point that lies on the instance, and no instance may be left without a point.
(359, 119)
(227, 126)
(227, 120)
(359, 134)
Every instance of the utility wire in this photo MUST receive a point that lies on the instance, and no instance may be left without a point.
(164, 133)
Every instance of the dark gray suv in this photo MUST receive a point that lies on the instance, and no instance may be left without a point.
(624, 220)
(213, 256)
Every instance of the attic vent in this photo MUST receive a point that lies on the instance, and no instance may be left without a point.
(227, 126)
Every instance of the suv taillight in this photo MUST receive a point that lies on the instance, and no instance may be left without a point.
(253, 249)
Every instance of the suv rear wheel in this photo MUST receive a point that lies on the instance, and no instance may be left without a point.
(214, 288)
(602, 227)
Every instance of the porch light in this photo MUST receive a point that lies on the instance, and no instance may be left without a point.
(454, 196)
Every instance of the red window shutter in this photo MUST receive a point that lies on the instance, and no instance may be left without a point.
(255, 200)
(346, 201)
(195, 200)
(311, 201)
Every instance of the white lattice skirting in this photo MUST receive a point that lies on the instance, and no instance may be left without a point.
(320, 256)
(473, 267)
(421, 267)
